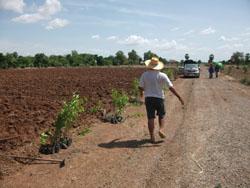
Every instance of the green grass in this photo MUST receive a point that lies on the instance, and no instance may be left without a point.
(98, 107)
(84, 132)
(137, 115)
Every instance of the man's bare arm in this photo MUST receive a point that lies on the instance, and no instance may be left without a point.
(176, 94)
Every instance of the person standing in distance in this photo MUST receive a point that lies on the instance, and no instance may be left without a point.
(151, 85)
(211, 66)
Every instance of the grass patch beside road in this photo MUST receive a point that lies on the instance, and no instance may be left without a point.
(242, 74)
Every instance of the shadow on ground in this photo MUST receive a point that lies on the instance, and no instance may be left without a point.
(129, 144)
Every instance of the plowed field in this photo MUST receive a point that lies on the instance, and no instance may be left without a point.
(31, 98)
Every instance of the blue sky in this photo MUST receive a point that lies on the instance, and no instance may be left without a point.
(169, 28)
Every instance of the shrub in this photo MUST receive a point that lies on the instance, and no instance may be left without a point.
(229, 70)
(68, 115)
(119, 99)
(245, 69)
(245, 81)
(135, 88)
(170, 72)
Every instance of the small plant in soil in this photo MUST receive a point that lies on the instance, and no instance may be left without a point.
(44, 137)
(65, 119)
(119, 100)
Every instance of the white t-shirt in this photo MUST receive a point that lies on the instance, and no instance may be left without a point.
(153, 83)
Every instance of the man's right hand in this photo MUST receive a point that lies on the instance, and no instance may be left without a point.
(182, 102)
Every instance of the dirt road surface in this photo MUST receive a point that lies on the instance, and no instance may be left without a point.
(207, 145)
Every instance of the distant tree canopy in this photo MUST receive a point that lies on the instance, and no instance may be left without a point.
(149, 55)
(75, 59)
(237, 58)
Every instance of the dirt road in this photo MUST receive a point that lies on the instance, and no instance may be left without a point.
(207, 145)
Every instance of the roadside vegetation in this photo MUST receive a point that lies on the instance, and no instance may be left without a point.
(239, 72)
(172, 72)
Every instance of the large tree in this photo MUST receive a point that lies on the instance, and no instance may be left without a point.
(247, 58)
(3, 62)
(41, 60)
(11, 59)
(120, 58)
(237, 58)
(149, 55)
(24, 62)
(99, 60)
(77, 59)
(133, 58)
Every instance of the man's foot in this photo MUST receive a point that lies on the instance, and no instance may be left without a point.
(161, 134)
(152, 140)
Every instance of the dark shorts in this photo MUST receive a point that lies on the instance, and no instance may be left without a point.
(153, 105)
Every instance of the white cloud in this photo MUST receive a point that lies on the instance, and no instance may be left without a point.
(188, 32)
(181, 39)
(57, 23)
(154, 44)
(172, 45)
(208, 31)
(14, 5)
(112, 38)
(28, 18)
(145, 13)
(134, 40)
(245, 34)
(175, 29)
(238, 45)
(223, 38)
(49, 8)
(235, 46)
(97, 37)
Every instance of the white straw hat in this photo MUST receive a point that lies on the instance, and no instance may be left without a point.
(154, 63)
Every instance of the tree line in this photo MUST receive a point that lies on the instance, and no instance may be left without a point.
(239, 58)
(74, 59)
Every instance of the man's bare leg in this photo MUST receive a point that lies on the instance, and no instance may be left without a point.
(151, 129)
(161, 130)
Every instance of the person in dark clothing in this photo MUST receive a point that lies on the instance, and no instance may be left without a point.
(217, 70)
(211, 66)
(211, 69)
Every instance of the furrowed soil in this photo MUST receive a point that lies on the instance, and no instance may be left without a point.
(207, 145)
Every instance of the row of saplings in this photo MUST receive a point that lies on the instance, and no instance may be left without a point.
(52, 141)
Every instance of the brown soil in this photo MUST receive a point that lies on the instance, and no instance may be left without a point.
(207, 145)
(31, 98)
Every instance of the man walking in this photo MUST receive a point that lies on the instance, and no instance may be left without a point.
(151, 84)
